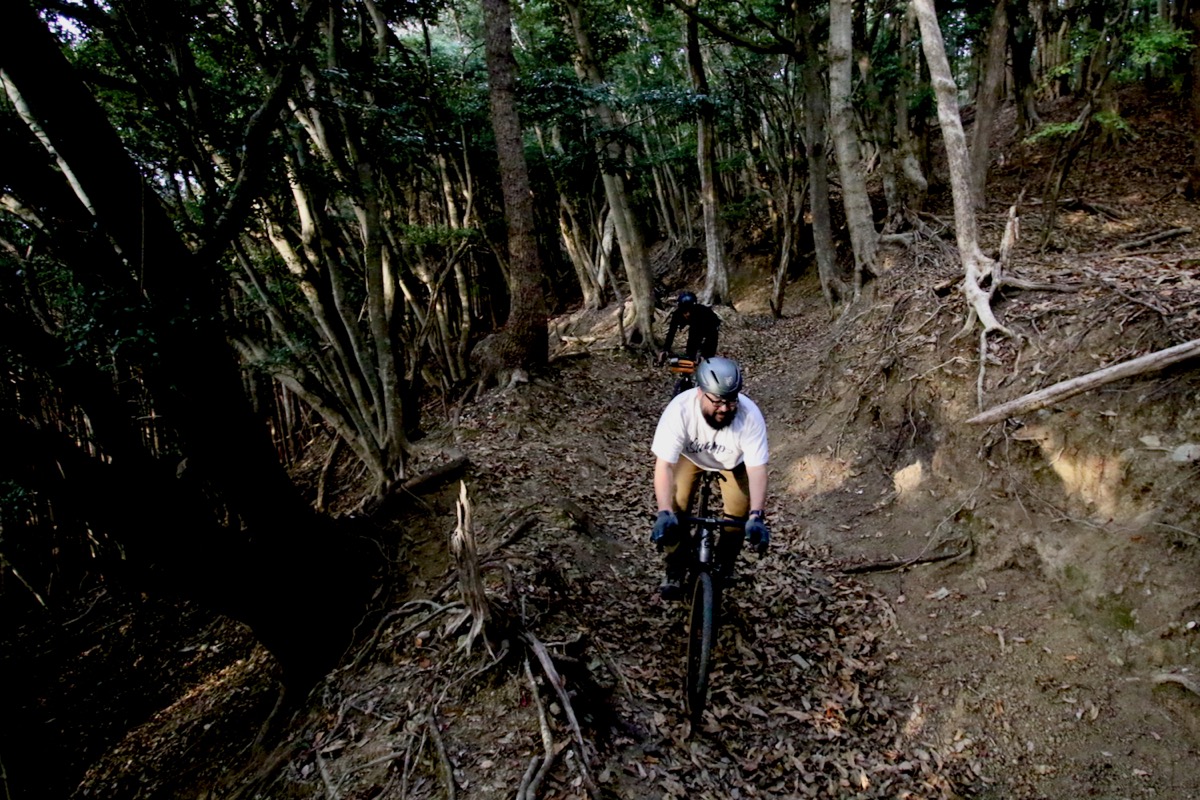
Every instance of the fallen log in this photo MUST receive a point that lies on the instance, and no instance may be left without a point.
(1151, 362)
(1158, 237)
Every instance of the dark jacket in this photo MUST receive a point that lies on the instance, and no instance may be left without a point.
(702, 331)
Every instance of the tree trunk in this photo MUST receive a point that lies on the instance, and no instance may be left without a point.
(881, 127)
(586, 271)
(526, 325)
(864, 240)
(975, 264)
(916, 184)
(1022, 38)
(833, 287)
(716, 283)
(1192, 188)
(629, 235)
(987, 103)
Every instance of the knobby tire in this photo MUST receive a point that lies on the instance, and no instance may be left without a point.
(701, 638)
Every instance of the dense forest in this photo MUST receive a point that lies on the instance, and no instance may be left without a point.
(232, 231)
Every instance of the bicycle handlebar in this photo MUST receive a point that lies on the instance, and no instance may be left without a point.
(711, 522)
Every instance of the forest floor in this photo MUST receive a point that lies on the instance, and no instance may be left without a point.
(1053, 652)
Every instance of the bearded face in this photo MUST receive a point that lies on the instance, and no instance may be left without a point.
(718, 416)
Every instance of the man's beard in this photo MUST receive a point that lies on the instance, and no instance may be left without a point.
(716, 424)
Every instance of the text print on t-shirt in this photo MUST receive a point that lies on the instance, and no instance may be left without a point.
(704, 447)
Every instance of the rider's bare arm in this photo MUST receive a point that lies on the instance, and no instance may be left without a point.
(757, 478)
(664, 484)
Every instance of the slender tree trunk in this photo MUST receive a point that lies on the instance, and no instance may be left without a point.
(577, 251)
(864, 240)
(716, 283)
(663, 206)
(525, 329)
(629, 235)
(833, 287)
(988, 102)
(975, 264)
(910, 160)
(1193, 181)
(882, 128)
(1022, 36)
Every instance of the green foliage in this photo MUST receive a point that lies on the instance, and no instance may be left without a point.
(1114, 127)
(736, 212)
(1161, 46)
(434, 235)
(553, 93)
(14, 498)
(677, 104)
(1052, 132)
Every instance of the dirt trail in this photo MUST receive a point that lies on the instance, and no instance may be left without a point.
(799, 707)
(1053, 654)
(973, 678)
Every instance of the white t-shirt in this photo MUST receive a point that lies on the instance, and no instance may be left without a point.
(682, 430)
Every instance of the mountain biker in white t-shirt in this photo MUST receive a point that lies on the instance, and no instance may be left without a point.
(713, 427)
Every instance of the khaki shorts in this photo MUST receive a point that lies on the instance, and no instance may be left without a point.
(735, 489)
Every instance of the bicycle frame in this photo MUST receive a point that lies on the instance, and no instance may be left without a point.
(683, 369)
(705, 527)
(704, 574)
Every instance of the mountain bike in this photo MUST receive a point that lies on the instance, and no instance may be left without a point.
(683, 369)
(704, 577)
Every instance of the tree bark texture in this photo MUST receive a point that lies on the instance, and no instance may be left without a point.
(833, 287)
(526, 325)
(716, 282)
(629, 235)
(975, 264)
(864, 239)
(987, 102)
(1193, 180)
(916, 185)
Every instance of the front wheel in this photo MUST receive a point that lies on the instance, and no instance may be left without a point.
(701, 638)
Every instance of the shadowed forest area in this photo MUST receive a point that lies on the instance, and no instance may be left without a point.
(329, 337)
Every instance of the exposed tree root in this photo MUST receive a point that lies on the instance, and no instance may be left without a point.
(446, 767)
(1158, 237)
(538, 768)
(1174, 677)
(557, 682)
(889, 566)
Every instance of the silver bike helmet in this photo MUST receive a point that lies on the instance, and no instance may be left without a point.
(721, 377)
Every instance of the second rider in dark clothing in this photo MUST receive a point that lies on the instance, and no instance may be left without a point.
(702, 324)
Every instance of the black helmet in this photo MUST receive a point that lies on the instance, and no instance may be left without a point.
(719, 376)
(687, 299)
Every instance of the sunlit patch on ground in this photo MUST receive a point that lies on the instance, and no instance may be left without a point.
(817, 474)
(909, 479)
(1089, 475)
